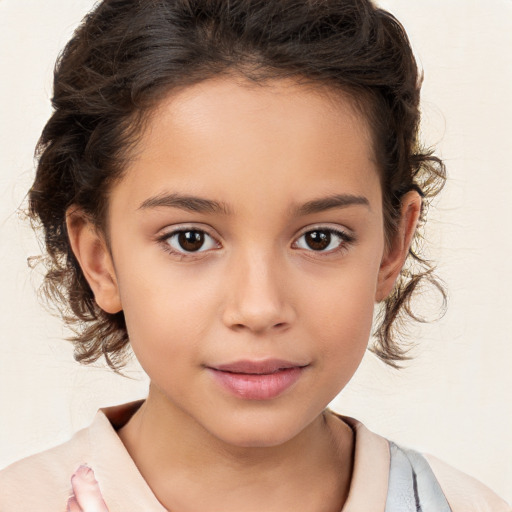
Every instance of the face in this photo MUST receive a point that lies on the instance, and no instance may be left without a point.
(247, 250)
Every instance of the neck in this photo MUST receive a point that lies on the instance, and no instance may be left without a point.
(189, 469)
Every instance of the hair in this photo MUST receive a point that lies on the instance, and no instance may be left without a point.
(127, 55)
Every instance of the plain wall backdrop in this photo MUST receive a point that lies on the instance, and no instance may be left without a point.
(453, 399)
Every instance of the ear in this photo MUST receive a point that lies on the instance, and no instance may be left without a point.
(396, 253)
(93, 255)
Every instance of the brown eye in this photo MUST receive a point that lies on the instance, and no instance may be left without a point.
(190, 240)
(318, 240)
(323, 240)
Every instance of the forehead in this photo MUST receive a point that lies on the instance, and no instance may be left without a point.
(233, 100)
(228, 135)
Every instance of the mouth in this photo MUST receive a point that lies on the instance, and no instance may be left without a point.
(257, 380)
(265, 367)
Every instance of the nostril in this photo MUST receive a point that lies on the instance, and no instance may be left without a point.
(241, 327)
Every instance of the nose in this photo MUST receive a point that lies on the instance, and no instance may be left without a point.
(256, 295)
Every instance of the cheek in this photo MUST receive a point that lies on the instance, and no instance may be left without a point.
(340, 312)
(342, 343)
(347, 322)
(167, 311)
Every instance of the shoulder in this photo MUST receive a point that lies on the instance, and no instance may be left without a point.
(42, 481)
(463, 492)
(388, 475)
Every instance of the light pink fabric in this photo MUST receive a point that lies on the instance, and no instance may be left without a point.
(464, 492)
(42, 482)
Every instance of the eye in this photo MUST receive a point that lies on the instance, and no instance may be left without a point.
(323, 240)
(189, 241)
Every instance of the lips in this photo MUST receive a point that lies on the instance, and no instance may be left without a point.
(257, 367)
(257, 380)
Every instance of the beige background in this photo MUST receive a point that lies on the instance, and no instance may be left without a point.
(454, 399)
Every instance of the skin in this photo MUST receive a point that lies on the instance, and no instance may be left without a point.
(255, 290)
(86, 492)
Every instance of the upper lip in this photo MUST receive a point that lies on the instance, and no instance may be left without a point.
(257, 367)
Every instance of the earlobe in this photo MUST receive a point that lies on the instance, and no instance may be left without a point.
(94, 258)
(395, 256)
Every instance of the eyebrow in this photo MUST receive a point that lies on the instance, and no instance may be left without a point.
(185, 202)
(330, 202)
(202, 205)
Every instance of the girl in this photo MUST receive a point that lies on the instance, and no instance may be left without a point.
(230, 187)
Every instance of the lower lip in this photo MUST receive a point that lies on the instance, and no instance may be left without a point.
(258, 387)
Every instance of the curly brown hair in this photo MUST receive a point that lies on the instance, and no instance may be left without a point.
(127, 54)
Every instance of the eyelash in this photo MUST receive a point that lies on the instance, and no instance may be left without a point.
(346, 240)
(167, 237)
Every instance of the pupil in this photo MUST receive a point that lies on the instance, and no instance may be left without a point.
(191, 240)
(318, 240)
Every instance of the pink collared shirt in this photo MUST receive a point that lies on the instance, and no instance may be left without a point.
(42, 481)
